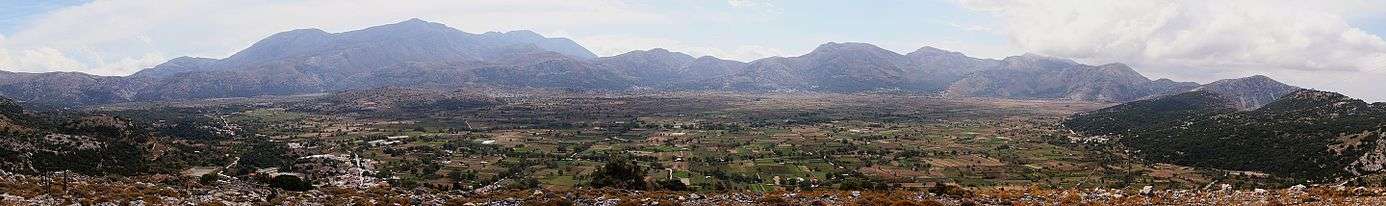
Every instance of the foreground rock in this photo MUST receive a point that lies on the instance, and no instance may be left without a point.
(68, 189)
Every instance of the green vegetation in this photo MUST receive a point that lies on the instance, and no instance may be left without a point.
(1308, 134)
(621, 173)
(290, 182)
(678, 142)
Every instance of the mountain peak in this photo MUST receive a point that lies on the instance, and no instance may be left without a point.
(416, 22)
(1308, 100)
(929, 50)
(411, 25)
(1039, 57)
(849, 47)
(283, 44)
(1252, 92)
(1122, 70)
(708, 58)
(1259, 77)
(1037, 61)
(516, 35)
(1116, 65)
(175, 66)
(1033, 57)
(657, 53)
(1255, 79)
(561, 45)
(187, 59)
(845, 46)
(299, 33)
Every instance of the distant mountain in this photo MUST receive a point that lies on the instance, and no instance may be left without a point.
(1304, 134)
(1161, 87)
(647, 67)
(1250, 92)
(838, 67)
(311, 60)
(176, 66)
(1033, 76)
(933, 69)
(852, 67)
(563, 46)
(708, 67)
(417, 53)
(409, 53)
(65, 88)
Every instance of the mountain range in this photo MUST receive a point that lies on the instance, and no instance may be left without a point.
(417, 53)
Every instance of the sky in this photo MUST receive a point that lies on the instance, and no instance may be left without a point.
(1327, 45)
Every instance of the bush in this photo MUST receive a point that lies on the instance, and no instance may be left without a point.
(291, 183)
(672, 185)
(208, 178)
(621, 173)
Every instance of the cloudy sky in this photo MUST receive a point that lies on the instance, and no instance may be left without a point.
(1330, 45)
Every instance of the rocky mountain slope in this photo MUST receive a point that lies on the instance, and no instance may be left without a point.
(86, 144)
(12, 117)
(417, 53)
(844, 67)
(1249, 92)
(1305, 133)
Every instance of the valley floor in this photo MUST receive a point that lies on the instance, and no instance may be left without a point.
(689, 148)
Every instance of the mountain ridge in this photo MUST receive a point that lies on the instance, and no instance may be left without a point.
(427, 54)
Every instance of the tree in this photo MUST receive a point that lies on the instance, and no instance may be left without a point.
(620, 172)
(672, 185)
(208, 178)
(291, 183)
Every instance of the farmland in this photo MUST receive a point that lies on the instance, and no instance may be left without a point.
(703, 141)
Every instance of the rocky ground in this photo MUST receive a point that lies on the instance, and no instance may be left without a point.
(69, 189)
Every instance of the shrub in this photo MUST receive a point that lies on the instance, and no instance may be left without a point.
(291, 183)
(672, 185)
(621, 173)
(208, 178)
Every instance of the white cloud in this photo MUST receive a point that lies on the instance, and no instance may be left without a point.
(44, 56)
(610, 45)
(763, 10)
(752, 4)
(971, 28)
(1212, 34)
(121, 37)
(1361, 85)
(4, 54)
(1191, 39)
